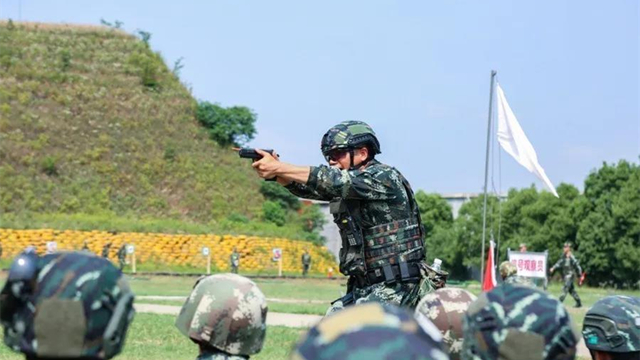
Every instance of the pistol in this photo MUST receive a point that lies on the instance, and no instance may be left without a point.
(251, 153)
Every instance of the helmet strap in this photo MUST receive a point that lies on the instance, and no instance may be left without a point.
(363, 163)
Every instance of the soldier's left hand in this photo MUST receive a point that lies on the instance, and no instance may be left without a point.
(268, 166)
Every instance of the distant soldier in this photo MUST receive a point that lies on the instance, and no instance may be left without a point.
(67, 305)
(105, 250)
(445, 308)
(234, 260)
(516, 323)
(523, 247)
(85, 246)
(122, 255)
(226, 316)
(0, 250)
(306, 262)
(570, 269)
(611, 328)
(372, 331)
(509, 275)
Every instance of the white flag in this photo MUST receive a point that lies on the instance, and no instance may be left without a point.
(515, 142)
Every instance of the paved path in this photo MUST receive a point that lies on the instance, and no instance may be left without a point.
(276, 300)
(273, 318)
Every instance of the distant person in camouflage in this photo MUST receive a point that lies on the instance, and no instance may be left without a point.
(306, 263)
(518, 323)
(85, 246)
(611, 328)
(65, 305)
(234, 260)
(375, 210)
(105, 250)
(122, 255)
(372, 332)
(226, 316)
(570, 270)
(446, 308)
(509, 275)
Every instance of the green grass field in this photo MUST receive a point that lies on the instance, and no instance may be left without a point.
(154, 336)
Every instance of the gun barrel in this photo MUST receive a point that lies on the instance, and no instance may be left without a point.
(250, 153)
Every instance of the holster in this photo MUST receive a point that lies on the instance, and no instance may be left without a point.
(347, 300)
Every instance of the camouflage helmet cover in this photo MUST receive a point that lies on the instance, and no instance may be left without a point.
(518, 323)
(371, 331)
(445, 308)
(227, 312)
(349, 134)
(507, 269)
(613, 325)
(79, 306)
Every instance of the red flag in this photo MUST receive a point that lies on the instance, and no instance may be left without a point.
(490, 271)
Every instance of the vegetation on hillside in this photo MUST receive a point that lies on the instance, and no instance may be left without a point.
(94, 124)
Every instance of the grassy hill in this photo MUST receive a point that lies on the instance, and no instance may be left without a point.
(93, 122)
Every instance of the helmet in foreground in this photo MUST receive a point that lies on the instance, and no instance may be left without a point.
(518, 323)
(65, 305)
(227, 312)
(372, 331)
(613, 325)
(445, 308)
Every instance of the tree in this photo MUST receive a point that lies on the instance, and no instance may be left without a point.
(227, 126)
(609, 234)
(434, 211)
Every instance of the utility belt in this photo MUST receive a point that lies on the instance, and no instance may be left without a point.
(403, 272)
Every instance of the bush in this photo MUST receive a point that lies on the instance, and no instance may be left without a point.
(227, 126)
(274, 213)
(48, 166)
(311, 218)
(275, 192)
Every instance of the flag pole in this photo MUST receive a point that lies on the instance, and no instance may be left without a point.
(486, 175)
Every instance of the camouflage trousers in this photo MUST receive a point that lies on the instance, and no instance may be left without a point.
(399, 294)
(570, 288)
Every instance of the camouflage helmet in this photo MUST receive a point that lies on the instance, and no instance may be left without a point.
(68, 304)
(613, 325)
(349, 134)
(507, 269)
(227, 312)
(445, 308)
(518, 323)
(371, 331)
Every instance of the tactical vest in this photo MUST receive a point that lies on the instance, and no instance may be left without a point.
(387, 252)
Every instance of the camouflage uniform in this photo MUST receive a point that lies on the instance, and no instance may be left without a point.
(612, 326)
(306, 263)
(122, 256)
(234, 261)
(379, 221)
(509, 275)
(105, 250)
(570, 269)
(518, 323)
(372, 332)
(445, 308)
(65, 305)
(226, 316)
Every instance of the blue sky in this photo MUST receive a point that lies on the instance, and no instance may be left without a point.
(417, 71)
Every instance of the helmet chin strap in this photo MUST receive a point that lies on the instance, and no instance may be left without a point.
(363, 163)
